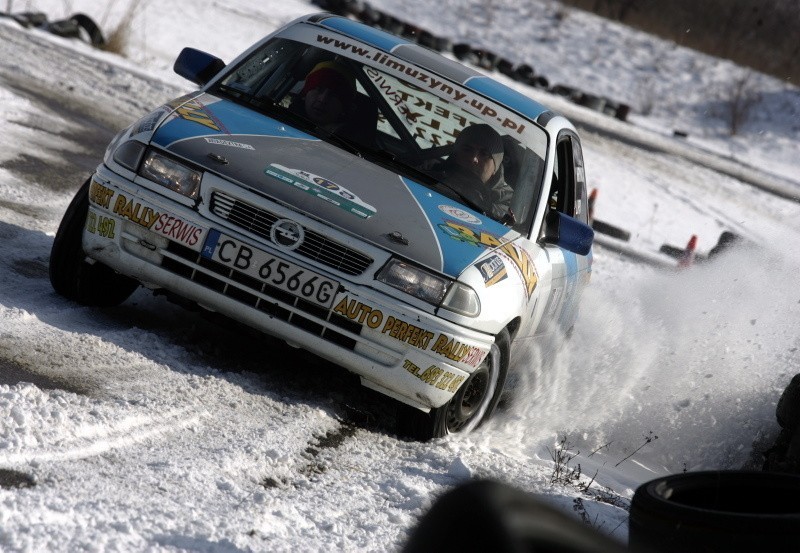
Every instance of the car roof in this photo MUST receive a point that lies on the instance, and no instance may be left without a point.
(450, 69)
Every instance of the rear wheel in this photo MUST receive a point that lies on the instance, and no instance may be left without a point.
(472, 404)
(71, 274)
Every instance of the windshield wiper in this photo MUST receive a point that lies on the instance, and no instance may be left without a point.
(231, 91)
(461, 197)
(390, 161)
(336, 139)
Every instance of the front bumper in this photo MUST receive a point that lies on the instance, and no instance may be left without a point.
(397, 349)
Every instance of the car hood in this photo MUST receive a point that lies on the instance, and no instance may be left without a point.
(314, 177)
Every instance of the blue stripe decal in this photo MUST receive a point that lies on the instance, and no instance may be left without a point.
(506, 96)
(571, 262)
(461, 239)
(221, 117)
(570, 308)
(373, 37)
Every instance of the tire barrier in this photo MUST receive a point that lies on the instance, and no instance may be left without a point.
(79, 26)
(483, 515)
(90, 27)
(591, 101)
(716, 511)
(684, 257)
(27, 19)
(603, 227)
(466, 53)
(611, 230)
(727, 241)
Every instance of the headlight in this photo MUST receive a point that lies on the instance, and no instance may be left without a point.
(171, 174)
(430, 288)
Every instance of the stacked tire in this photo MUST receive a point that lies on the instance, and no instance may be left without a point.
(716, 511)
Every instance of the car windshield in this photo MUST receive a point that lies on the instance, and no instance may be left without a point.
(400, 116)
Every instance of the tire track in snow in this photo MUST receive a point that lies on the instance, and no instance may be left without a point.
(95, 440)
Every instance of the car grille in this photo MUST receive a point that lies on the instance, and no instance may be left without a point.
(233, 284)
(315, 246)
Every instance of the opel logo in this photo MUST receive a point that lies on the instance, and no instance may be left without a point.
(287, 234)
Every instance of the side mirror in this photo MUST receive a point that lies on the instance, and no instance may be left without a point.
(197, 66)
(568, 233)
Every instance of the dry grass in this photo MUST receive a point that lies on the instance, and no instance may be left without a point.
(117, 39)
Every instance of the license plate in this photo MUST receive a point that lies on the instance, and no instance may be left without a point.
(269, 269)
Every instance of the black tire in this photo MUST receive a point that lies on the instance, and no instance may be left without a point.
(472, 405)
(622, 112)
(591, 101)
(506, 67)
(539, 81)
(524, 73)
(87, 24)
(462, 51)
(730, 511)
(71, 275)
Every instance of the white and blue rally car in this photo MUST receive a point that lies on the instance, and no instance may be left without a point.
(351, 245)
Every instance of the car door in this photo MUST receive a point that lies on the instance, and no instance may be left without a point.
(569, 270)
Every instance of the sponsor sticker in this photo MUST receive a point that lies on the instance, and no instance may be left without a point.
(142, 213)
(435, 376)
(411, 83)
(230, 143)
(195, 111)
(492, 269)
(411, 334)
(149, 122)
(520, 258)
(322, 188)
(460, 214)
(100, 225)
(99, 194)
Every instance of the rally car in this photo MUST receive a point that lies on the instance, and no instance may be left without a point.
(351, 244)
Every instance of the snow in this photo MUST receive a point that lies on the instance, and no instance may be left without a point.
(144, 428)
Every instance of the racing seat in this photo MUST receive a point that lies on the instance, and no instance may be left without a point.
(512, 154)
(362, 121)
(362, 125)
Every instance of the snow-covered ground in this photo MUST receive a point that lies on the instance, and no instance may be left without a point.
(143, 428)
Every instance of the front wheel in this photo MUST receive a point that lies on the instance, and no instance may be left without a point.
(71, 274)
(472, 404)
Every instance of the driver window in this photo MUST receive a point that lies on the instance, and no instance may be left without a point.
(562, 192)
(581, 199)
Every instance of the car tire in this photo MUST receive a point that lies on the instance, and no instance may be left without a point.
(730, 511)
(71, 275)
(472, 405)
